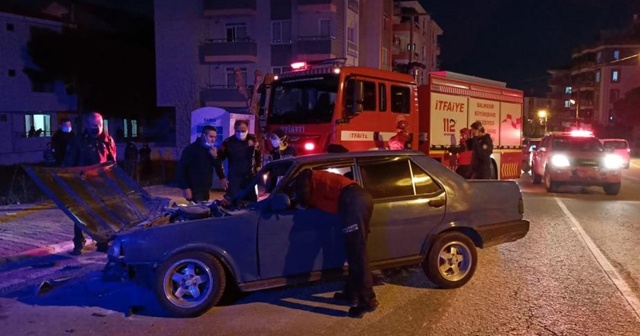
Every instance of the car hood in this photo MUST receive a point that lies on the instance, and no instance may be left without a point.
(101, 199)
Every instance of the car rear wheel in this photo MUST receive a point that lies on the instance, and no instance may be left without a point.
(551, 185)
(611, 188)
(451, 261)
(189, 283)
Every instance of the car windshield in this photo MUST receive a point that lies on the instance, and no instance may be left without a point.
(306, 100)
(618, 144)
(578, 144)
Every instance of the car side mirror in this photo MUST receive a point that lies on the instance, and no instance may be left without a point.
(279, 202)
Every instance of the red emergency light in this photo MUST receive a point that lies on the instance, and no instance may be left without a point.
(581, 133)
(298, 65)
(309, 146)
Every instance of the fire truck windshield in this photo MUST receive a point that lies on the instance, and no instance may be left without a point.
(305, 100)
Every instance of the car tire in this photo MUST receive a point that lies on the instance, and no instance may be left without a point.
(551, 185)
(189, 283)
(611, 188)
(451, 260)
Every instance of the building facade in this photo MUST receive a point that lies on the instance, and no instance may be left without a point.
(598, 76)
(206, 48)
(26, 99)
(415, 38)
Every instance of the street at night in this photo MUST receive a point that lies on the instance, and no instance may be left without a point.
(575, 273)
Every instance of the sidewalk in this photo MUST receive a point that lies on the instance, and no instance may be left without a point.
(33, 230)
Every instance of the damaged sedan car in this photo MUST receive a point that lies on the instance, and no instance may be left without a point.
(424, 214)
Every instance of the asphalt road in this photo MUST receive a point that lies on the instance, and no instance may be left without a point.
(576, 273)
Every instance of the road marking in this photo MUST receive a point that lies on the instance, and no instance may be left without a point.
(606, 266)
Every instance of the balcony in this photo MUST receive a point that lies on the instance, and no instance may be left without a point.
(235, 7)
(403, 57)
(354, 5)
(324, 45)
(318, 6)
(243, 50)
(352, 49)
(223, 96)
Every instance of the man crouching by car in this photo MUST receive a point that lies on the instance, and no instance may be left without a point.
(336, 194)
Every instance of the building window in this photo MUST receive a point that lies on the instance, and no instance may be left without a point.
(10, 27)
(616, 55)
(281, 32)
(3, 118)
(231, 76)
(598, 76)
(352, 34)
(105, 126)
(37, 125)
(130, 125)
(599, 57)
(615, 76)
(567, 103)
(385, 58)
(280, 70)
(614, 95)
(236, 32)
(325, 27)
(12, 72)
(567, 90)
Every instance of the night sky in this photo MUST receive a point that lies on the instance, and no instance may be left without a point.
(516, 41)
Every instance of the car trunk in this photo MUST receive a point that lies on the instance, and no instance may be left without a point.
(101, 199)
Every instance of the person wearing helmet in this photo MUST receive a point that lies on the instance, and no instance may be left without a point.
(280, 143)
(464, 154)
(481, 147)
(402, 139)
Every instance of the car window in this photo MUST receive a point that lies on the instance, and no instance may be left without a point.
(616, 144)
(387, 179)
(400, 99)
(577, 144)
(423, 182)
(270, 177)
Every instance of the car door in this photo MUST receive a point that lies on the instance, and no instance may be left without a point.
(408, 202)
(298, 241)
(540, 156)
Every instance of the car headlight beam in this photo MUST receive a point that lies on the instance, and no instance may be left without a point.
(560, 161)
(613, 161)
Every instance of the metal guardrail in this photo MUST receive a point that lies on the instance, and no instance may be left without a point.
(227, 40)
(316, 38)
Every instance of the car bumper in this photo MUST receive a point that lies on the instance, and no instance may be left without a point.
(585, 176)
(496, 234)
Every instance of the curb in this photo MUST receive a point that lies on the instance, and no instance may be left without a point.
(41, 252)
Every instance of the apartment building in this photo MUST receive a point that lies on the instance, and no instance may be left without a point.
(415, 38)
(204, 46)
(598, 76)
(560, 98)
(27, 99)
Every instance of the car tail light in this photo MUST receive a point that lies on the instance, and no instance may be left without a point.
(309, 146)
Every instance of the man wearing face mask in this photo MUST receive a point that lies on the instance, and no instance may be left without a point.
(280, 143)
(243, 152)
(61, 140)
(92, 146)
(195, 169)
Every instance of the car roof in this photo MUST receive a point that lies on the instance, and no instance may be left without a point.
(349, 155)
(614, 140)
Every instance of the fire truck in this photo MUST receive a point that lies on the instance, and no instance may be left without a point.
(358, 108)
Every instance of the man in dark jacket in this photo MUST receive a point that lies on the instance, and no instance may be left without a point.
(196, 166)
(243, 152)
(340, 195)
(61, 139)
(92, 146)
(482, 147)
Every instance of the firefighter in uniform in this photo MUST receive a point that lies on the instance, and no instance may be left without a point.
(340, 195)
(243, 152)
(482, 148)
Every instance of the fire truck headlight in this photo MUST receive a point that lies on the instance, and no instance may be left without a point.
(612, 161)
(560, 160)
(309, 146)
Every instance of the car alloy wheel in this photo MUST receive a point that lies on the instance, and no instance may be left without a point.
(190, 283)
(451, 261)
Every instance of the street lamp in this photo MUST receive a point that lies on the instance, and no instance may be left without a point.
(575, 102)
(542, 114)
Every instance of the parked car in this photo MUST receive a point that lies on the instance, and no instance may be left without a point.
(620, 147)
(576, 158)
(424, 214)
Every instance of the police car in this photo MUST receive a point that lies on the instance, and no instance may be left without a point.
(576, 158)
